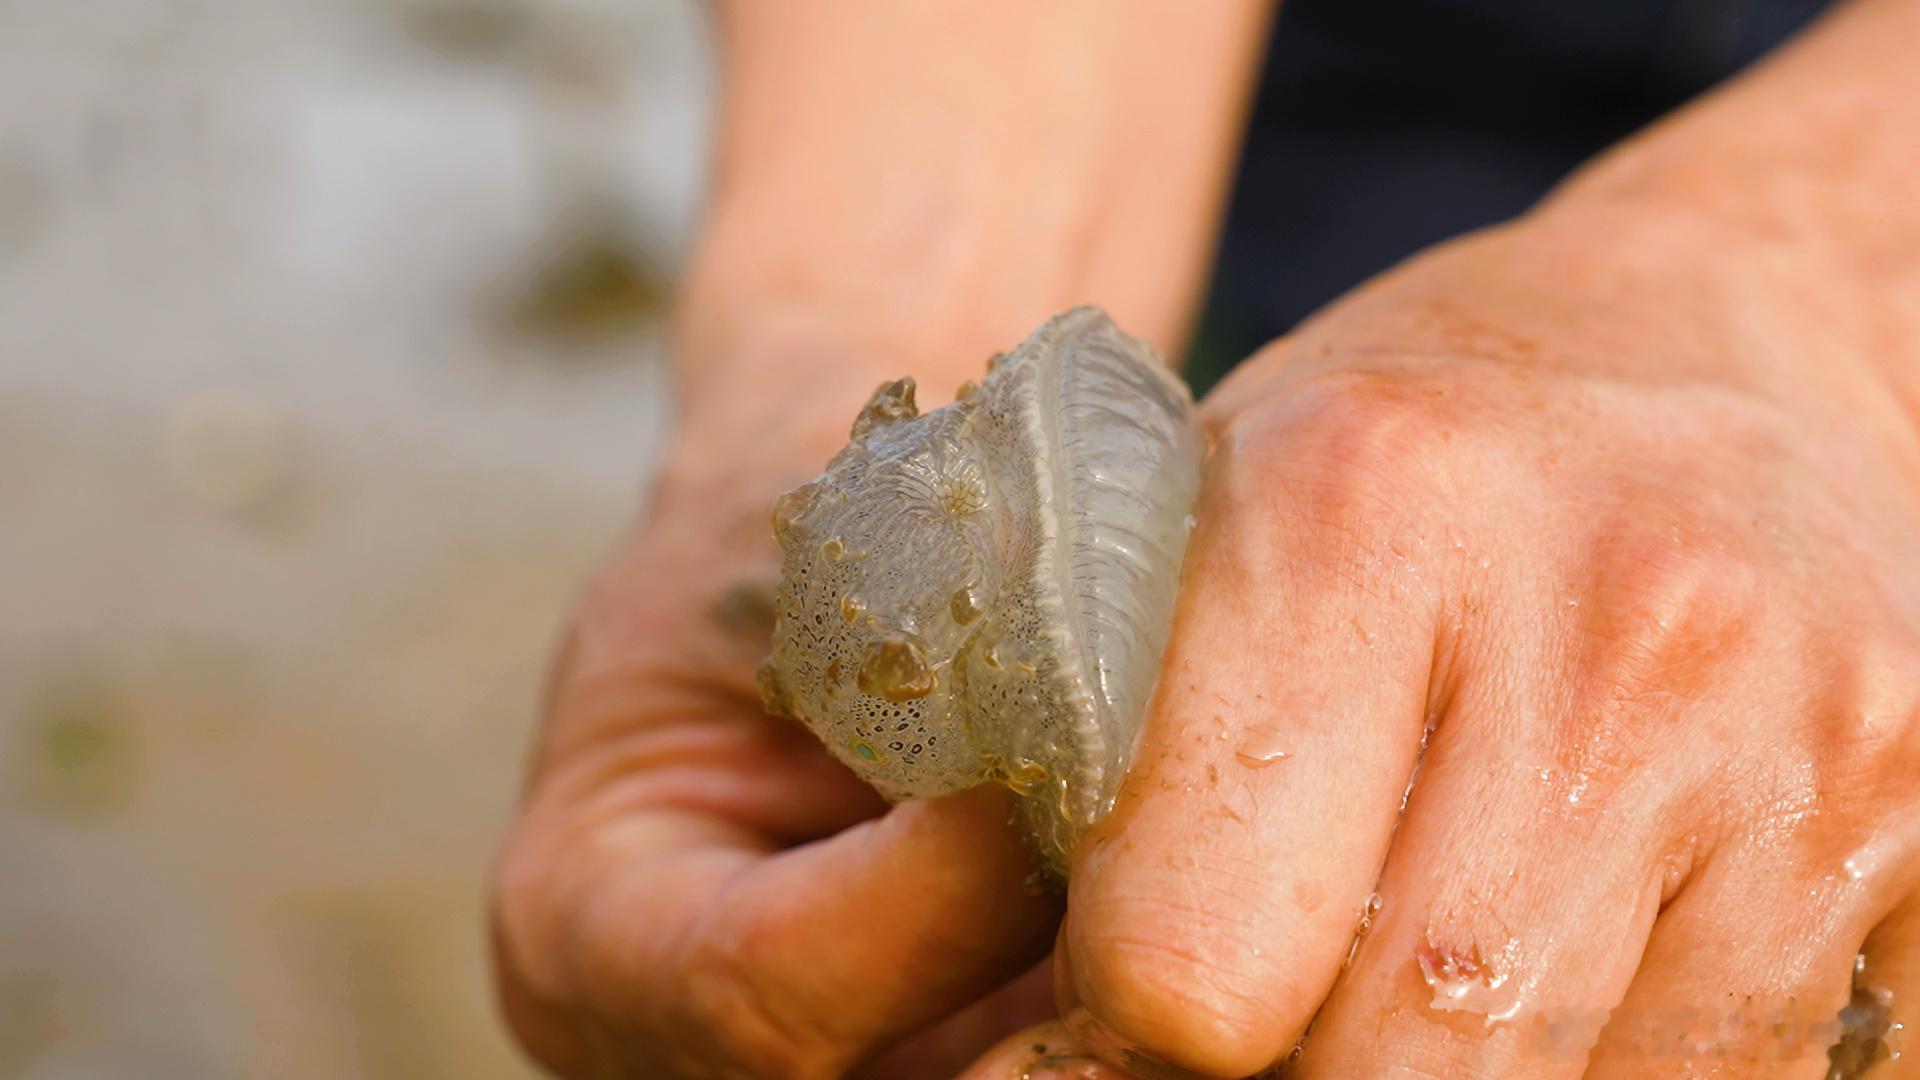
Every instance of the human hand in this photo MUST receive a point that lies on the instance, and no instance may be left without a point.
(694, 888)
(1629, 545)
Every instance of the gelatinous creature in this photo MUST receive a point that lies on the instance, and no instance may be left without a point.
(982, 593)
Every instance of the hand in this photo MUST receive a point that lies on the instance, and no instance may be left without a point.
(694, 888)
(1632, 553)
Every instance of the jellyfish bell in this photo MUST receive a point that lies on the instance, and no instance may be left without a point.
(982, 593)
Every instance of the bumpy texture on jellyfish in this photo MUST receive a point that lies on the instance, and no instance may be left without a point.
(982, 593)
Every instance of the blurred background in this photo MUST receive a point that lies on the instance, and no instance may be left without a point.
(330, 362)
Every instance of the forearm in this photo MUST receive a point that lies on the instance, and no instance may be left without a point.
(907, 187)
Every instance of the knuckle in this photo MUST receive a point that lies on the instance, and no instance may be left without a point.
(1347, 426)
(1660, 630)
(1869, 727)
(543, 1034)
(747, 1024)
(529, 993)
(522, 916)
(1178, 983)
(1334, 470)
(1666, 618)
(1679, 592)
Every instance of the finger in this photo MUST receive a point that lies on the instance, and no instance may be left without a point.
(1210, 913)
(1513, 909)
(657, 756)
(891, 924)
(697, 952)
(1044, 1052)
(1568, 789)
(1746, 973)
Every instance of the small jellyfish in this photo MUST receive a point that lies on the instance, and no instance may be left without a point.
(1018, 552)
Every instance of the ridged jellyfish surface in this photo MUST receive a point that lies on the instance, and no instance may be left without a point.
(982, 593)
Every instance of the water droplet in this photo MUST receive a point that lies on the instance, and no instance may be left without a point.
(1578, 789)
(1461, 982)
(1419, 759)
(1262, 748)
(1867, 861)
(1369, 911)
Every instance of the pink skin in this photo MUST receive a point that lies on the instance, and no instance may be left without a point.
(1665, 627)
(1615, 511)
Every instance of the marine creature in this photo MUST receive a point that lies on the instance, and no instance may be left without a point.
(982, 593)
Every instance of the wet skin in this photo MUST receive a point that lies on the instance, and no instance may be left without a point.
(1615, 511)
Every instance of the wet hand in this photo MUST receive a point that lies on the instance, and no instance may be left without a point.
(1544, 695)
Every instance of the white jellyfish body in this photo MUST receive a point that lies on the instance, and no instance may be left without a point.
(983, 592)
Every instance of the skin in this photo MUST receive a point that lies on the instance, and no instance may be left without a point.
(1614, 509)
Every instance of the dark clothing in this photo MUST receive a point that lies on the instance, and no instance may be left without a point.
(1383, 126)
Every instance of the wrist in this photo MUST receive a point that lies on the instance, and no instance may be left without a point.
(1681, 288)
(1793, 182)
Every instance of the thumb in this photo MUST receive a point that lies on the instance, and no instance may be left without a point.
(886, 927)
(667, 943)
